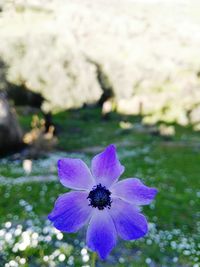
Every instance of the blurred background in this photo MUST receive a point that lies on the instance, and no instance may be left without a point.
(76, 76)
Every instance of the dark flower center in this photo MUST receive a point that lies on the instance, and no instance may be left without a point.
(99, 197)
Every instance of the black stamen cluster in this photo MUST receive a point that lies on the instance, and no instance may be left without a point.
(99, 197)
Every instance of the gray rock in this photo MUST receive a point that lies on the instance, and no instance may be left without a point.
(10, 131)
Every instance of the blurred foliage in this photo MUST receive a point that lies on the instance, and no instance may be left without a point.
(150, 61)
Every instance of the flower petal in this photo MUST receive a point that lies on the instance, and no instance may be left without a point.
(134, 191)
(106, 167)
(75, 174)
(101, 233)
(71, 212)
(129, 223)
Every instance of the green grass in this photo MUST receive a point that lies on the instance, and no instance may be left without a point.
(171, 166)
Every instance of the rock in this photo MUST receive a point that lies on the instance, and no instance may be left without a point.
(10, 131)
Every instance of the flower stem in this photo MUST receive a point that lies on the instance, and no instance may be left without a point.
(93, 259)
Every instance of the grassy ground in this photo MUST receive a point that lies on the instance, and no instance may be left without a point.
(171, 165)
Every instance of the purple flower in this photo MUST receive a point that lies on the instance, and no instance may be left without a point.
(109, 207)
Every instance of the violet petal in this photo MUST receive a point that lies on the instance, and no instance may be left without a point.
(129, 223)
(101, 233)
(75, 174)
(71, 212)
(106, 167)
(134, 191)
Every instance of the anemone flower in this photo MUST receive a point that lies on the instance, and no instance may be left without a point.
(109, 207)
